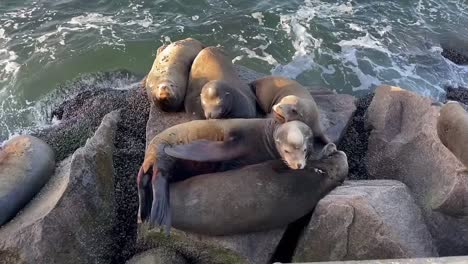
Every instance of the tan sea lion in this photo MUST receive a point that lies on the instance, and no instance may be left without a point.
(205, 146)
(166, 83)
(26, 164)
(452, 129)
(215, 90)
(255, 198)
(287, 100)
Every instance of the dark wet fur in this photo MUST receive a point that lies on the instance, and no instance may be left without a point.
(161, 209)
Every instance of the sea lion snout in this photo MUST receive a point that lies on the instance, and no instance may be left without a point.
(165, 91)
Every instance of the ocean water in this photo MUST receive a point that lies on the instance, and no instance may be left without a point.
(345, 45)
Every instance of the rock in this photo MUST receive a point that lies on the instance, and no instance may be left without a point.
(355, 141)
(366, 220)
(457, 94)
(192, 250)
(257, 247)
(71, 219)
(336, 111)
(452, 129)
(157, 256)
(403, 145)
(26, 164)
(455, 55)
(446, 260)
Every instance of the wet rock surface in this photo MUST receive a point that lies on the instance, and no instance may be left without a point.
(366, 220)
(403, 145)
(355, 140)
(71, 219)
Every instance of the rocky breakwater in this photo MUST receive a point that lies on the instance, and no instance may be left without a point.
(404, 146)
(414, 206)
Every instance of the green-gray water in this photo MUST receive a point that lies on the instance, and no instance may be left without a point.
(343, 45)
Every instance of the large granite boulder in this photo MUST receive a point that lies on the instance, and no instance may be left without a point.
(404, 146)
(180, 246)
(366, 220)
(26, 164)
(71, 219)
(158, 256)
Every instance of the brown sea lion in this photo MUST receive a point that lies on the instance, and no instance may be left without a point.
(205, 146)
(287, 100)
(215, 90)
(26, 164)
(452, 129)
(255, 198)
(166, 83)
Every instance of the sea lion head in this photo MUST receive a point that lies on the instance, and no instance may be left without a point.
(291, 140)
(165, 94)
(216, 99)
(289, 108)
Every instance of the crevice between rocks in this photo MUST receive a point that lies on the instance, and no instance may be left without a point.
(285, 250)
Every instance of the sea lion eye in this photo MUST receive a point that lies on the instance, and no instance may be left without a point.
(286, 151)
(294, 111)
(304, 150)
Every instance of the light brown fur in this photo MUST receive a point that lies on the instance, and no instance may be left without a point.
(212, 64)
(286, 100)
(166, 83)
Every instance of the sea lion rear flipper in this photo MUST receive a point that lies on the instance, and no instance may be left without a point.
(206, 151)
(161, 209)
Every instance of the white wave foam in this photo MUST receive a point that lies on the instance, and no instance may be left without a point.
(259, 16)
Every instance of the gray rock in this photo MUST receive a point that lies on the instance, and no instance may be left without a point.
(26, 164)
(446, 260)
(257, 247)
(404, 146)
(366, 220)
(157, 256)
(71, 219)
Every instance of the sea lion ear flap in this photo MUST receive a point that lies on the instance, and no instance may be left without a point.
(207, 151)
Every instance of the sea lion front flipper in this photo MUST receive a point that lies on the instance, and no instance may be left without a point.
(206, 151)
(145, 197)
(161, 209)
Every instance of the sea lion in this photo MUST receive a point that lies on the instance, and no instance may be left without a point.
(204, 146)
(255, 198)
(215, 90)
(166, 83)
(287, 100)
(26, 164)
(452, 129)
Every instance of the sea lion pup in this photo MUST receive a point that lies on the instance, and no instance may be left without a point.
(205, 146)
(215, 90)
(452, 129)
(166, 83)
(287, 100)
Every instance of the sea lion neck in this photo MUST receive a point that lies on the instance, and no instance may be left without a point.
(271, 127)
